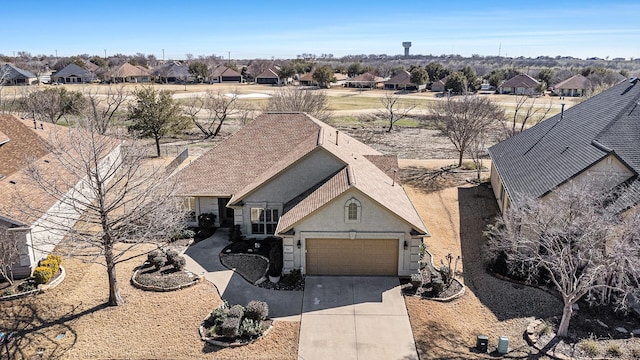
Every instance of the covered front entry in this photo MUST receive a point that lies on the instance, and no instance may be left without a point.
(352, 257)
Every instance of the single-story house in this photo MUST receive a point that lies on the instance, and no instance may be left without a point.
(335, 202)
(127, 73)
(223, 74)
(23, 143)
(521, 84)
(73, 74)
(306, 79)
(402, 81)
(13, 75)
(271, 76)
(173, 72)
(596, 141)
(366, 80)
(439, 86)
(577, 85)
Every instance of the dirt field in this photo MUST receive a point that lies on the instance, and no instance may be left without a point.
(149, 325)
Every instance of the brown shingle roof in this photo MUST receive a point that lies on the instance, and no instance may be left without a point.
(575, 82)
(275, 141)
(224, 71)
(403, 77)
(22, 201)
(521, 81)
(128, 70)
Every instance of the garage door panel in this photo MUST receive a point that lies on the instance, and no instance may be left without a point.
(352, 257)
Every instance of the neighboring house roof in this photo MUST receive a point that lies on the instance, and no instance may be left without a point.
(541, 158)
(28, 146)
(173, 70)
(272, 143)
(521, 81)
(75, 70)
(340, 76)
(91, 66)
(11, 72)
(224, 71)
(366, 78)
(575, 82)
(403, 77)
(270, 73)
(128, 70)
(306, 77)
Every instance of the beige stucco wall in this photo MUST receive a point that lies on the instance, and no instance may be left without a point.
(375, 223)
(498, 191)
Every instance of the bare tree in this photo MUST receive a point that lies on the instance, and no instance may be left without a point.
(310, 101)
(102, 109)
(462, 119)
(53, 104)
(525, 114)
(9, 254)
(209, 112)
(120, 202)
(572, 238)
(394, 109)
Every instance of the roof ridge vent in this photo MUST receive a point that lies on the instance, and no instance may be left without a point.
(634, 80)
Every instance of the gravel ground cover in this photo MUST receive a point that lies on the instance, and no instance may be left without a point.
(249, 266)
(71, 321)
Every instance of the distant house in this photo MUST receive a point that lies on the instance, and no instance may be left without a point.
(595, 141)
(522, 84)
(366, 80)
(223, 74)
(173, 72)
(13, 75)
(335, 202)
(402, 81)
(127, 73)
(271, 76)
(73, 74)
(23, 145)
(577, 85)
(439, 86)
(341, 79)
(306, 79)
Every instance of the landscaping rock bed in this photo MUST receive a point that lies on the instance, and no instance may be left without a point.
(28, 287)
(236, 325)
(148, 278)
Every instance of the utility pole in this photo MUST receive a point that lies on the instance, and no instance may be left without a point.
(163, 55)
(105, 54)
(56, 54)
(229, 62)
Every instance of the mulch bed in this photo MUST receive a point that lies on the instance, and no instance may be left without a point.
(22, 285)
(167, 277)
(251, 267)
(426, 290)
(289, 282)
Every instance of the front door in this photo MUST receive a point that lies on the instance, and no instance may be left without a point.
(226, 214)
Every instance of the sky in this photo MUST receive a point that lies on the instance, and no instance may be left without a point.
(284, 29)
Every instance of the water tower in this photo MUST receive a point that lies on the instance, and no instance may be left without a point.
(406, 45)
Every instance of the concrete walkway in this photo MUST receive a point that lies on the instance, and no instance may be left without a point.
(203, 259)
(347, 317)
(341, 317)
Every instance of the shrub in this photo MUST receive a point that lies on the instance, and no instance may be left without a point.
(416, 280)
(589, 346)
(614, 350)
(293, 278)
(171, 256)
(159, 261)
(42, 274)
(51, 264)
(235, 234)
(216, 317)
(230, 327)
(179, 263)
(437, 286)
(256, 310)
(153, 254)
(446, 275)
(250, 328)
(56, 258)
(468, 165)
(206, 224)
(183, 234)
(236, 311)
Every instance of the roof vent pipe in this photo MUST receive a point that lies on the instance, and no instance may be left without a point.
(562, 112)
(337, 137)
(394, 177)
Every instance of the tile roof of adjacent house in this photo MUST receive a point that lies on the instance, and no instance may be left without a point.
(74, 70)
(575, 82)
(31, 147)
(12, 72)
(552, 152)
(403, 77)
(128, 70)
(272, 143)
(521, 81)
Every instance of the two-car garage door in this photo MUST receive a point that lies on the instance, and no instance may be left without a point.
(352, 257)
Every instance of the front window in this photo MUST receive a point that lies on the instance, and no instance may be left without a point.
(264, 221)
(352, 211)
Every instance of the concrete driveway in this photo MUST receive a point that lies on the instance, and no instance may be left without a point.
(347, 317)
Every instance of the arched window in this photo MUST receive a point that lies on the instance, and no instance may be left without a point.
(352, 211)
